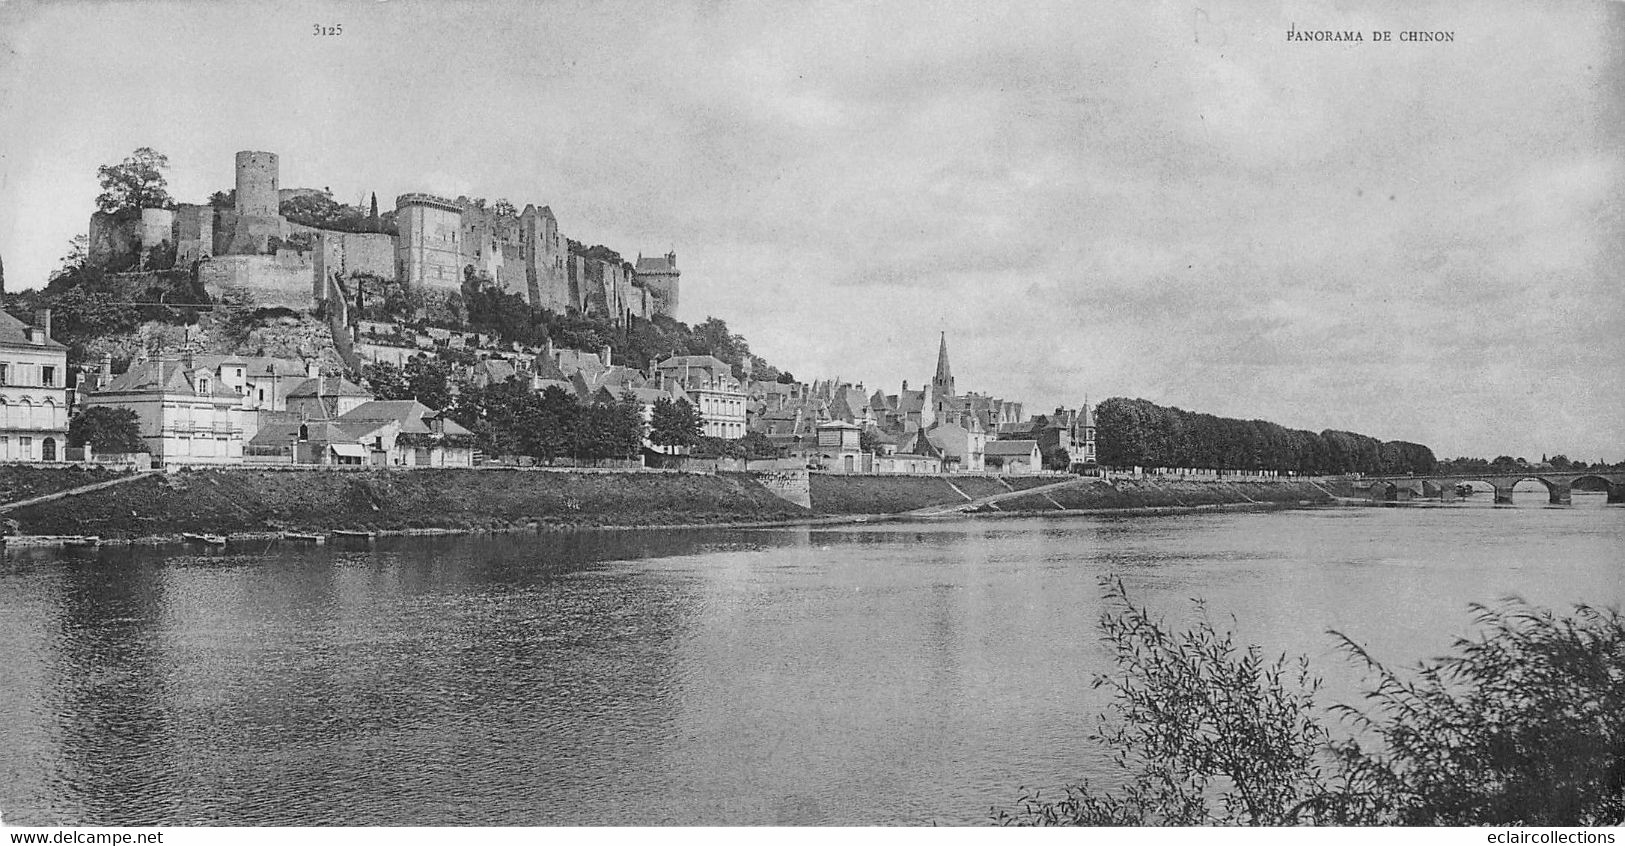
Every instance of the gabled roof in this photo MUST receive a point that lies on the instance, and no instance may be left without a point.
(14, 332)
(157, 376)
(1021, 447)
(678, 362)
(413, 416)
(654, 264)
(921, 445)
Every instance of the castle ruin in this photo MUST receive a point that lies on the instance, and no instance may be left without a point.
(252, 248)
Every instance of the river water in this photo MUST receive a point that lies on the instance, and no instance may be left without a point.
(876, 674)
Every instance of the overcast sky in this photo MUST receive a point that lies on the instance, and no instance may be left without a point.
(1414, 241)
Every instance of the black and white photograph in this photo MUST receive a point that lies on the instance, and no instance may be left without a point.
(861, 414)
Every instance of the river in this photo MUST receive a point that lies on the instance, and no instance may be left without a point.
(875, 674)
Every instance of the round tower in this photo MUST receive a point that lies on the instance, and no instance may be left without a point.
(257, 184)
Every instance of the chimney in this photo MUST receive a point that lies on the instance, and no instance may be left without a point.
(313, 368)
(107, 368)
(42, 319)
(604, 354)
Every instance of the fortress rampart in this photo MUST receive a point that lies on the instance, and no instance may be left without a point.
(438, 240)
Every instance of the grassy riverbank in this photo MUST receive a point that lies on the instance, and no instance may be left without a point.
(244, 501)
(240, 501)
(1166, 493)
(26, 481)
(835, 494)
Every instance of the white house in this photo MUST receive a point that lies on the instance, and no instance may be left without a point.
(187, 416)
(33, 391)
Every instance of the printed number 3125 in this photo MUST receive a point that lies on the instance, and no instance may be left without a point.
(335, 29)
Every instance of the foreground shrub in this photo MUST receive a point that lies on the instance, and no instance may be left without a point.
(1523, 724)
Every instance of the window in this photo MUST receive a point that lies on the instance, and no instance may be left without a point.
(48, 375)
(4, 375)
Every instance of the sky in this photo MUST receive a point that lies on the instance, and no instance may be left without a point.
(1416, 241)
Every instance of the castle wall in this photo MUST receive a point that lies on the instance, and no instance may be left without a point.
(284, 280)
(348, 253)
(194, 233)
(236, 235)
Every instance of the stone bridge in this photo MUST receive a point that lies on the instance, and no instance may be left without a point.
(1559, 484)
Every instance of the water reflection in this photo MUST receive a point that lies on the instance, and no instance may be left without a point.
(880, 673)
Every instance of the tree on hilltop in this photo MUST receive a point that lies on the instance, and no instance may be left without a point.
(136, 183)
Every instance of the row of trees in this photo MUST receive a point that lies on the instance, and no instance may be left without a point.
(1137, 432)
(508, 418)
(1503, 464)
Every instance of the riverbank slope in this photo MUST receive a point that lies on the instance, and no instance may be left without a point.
(247, 501)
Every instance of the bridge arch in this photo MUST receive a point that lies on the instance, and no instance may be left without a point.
(1615, 490)
(1557, 492)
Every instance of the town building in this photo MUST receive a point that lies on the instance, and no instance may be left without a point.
(186, 414)
(326, 397)
(1013, 457)
(33, 391)
(839, 448)
(711, 388)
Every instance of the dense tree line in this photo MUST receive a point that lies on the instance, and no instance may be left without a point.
(508, 418)
(1504, 464)
(1136, 432)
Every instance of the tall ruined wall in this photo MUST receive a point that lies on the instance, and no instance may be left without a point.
(602, 288)
(547, 280)
(284, 280)
(157, 226)
(194, 233)
(495, 245)
(115, 239)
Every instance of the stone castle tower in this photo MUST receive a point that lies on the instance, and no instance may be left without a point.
(659, 276)
(257, 184)
(256, 218)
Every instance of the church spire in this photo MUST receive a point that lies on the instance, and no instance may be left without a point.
(943, 382)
